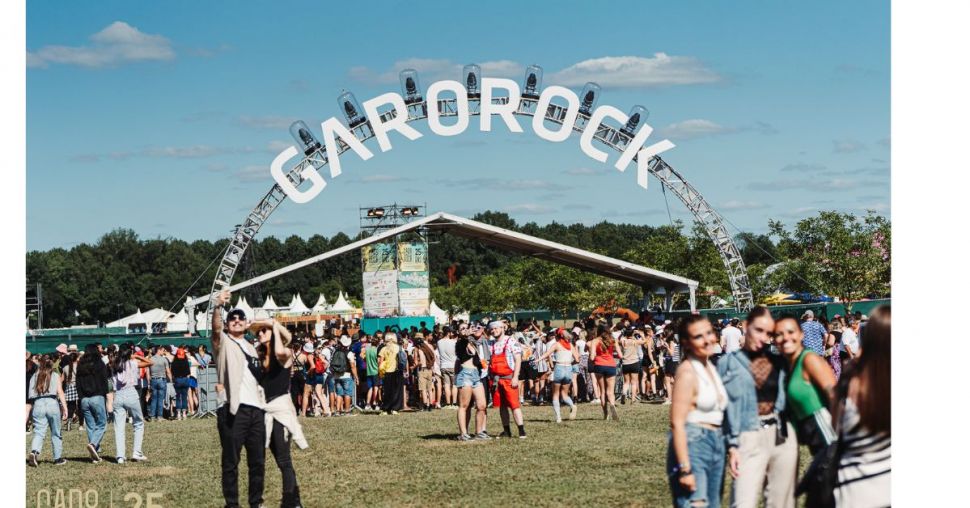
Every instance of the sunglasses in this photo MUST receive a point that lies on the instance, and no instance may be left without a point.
(236, 318)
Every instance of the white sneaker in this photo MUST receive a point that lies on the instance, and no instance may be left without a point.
(558, 420)
(572, 412)
(120, 460)
(140, 457)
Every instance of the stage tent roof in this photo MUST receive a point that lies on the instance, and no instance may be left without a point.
(638, 275)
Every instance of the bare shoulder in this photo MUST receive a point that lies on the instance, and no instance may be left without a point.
(685, 372)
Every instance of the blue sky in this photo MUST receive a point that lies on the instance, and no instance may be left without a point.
(164, 117)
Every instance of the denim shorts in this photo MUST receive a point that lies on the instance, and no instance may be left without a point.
(468, 377)
(604, 370)
(562, 374)
(373, 382)
(344, 386)
(705, 448)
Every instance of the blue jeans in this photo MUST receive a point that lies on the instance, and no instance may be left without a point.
(156, 409)
(95, 418)
(47, 413)
(705, 448)
(181, 393)
(468, 377)
(562, 374)
(126, 402)
(345, 386)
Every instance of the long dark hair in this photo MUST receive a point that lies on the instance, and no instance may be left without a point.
(120, 360)
(90, 362)
(44, 368)
(873, 369)
(757, 312)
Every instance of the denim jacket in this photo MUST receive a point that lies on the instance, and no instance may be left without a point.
(742, 411)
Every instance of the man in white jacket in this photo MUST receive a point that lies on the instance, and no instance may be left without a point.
(241, 421)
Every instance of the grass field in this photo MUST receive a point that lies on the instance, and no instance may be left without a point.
(404, 460)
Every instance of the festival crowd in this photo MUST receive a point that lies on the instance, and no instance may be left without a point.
(743, 394)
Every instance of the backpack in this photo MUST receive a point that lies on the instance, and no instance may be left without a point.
(318, 366)
(402, 360)
(338, 363)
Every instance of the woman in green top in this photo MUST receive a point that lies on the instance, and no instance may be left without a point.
(809, 387)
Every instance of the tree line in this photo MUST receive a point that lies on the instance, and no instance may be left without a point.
(833, 253)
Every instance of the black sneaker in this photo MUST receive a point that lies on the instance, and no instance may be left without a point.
(60, 462)
(504, 435)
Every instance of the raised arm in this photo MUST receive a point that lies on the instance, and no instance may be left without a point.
(221, 298)
(283, 354)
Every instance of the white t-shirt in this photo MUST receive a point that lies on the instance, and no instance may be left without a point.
(248, 387)
(581, 346)
(446, 353)
(850, 340)
(732, 339)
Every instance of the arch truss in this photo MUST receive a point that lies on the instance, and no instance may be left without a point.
(614, 138)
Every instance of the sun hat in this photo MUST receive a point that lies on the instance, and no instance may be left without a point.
(345, 341)
(256, 326)
(72, 347)
(62, 348)
(495, 324)
(308, 347)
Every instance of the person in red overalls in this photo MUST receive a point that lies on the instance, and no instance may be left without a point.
(504, 369)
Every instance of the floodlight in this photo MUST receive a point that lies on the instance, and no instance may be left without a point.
(304, 137)
(638, 115)
(410, 86)
(533, 82)
(588, 98)
(472, 77)
(351, 108)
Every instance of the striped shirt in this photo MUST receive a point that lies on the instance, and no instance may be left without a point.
(865, 465)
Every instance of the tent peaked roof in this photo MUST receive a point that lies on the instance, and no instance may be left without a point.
(297, 305)
(341, 304)
(269, 304)
(321, 303)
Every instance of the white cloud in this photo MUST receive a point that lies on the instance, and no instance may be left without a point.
(505, 185)
(608, 71)
(635, 72)
(165, 152)
(381, 178)
(834, 184)
(742, 205)
(802, 167)
(255, 173)
(847, 146)
(265, 122)
(699, 128)
(116, 44)
(696, 128)
(529, 208)
(585, 171)
(432, 69)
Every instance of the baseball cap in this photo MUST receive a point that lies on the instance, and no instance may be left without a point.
(234, 313)
(808, 314)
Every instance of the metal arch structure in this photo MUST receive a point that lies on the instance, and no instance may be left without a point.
(613, 138)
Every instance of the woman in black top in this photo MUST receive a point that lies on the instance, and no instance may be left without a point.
(468, 367)
(180, 373)
(92, 389)
(276, 360)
